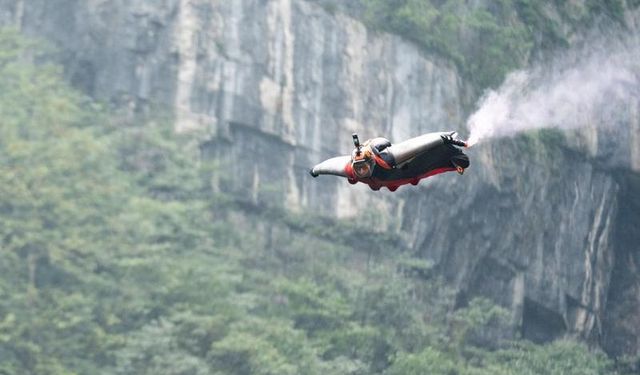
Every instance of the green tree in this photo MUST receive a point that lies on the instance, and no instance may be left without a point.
(118, 258)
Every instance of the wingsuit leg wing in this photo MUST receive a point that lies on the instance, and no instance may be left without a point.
(409, 149)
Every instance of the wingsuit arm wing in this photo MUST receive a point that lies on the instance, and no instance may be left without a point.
(407, 150)
(334, 166)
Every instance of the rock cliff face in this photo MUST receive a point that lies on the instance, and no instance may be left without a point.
(538, 227)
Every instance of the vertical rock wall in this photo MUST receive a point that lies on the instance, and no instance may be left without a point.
(278, 85)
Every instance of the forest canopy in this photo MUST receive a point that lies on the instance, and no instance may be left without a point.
(118, 258)
(487, 40)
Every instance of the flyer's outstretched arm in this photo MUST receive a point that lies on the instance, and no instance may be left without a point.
(334, 166)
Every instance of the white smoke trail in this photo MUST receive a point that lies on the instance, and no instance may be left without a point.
(586, 86)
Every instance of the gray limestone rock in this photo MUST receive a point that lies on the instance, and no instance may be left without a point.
(534, 227)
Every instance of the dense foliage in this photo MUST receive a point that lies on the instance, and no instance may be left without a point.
(486, 40)
(117, 258)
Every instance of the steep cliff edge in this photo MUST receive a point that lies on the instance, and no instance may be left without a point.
(534, 225)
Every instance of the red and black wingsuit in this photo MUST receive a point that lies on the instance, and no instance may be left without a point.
(379, 163)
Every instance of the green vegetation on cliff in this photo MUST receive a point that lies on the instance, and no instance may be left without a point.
(487, 40)
(118, 258)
